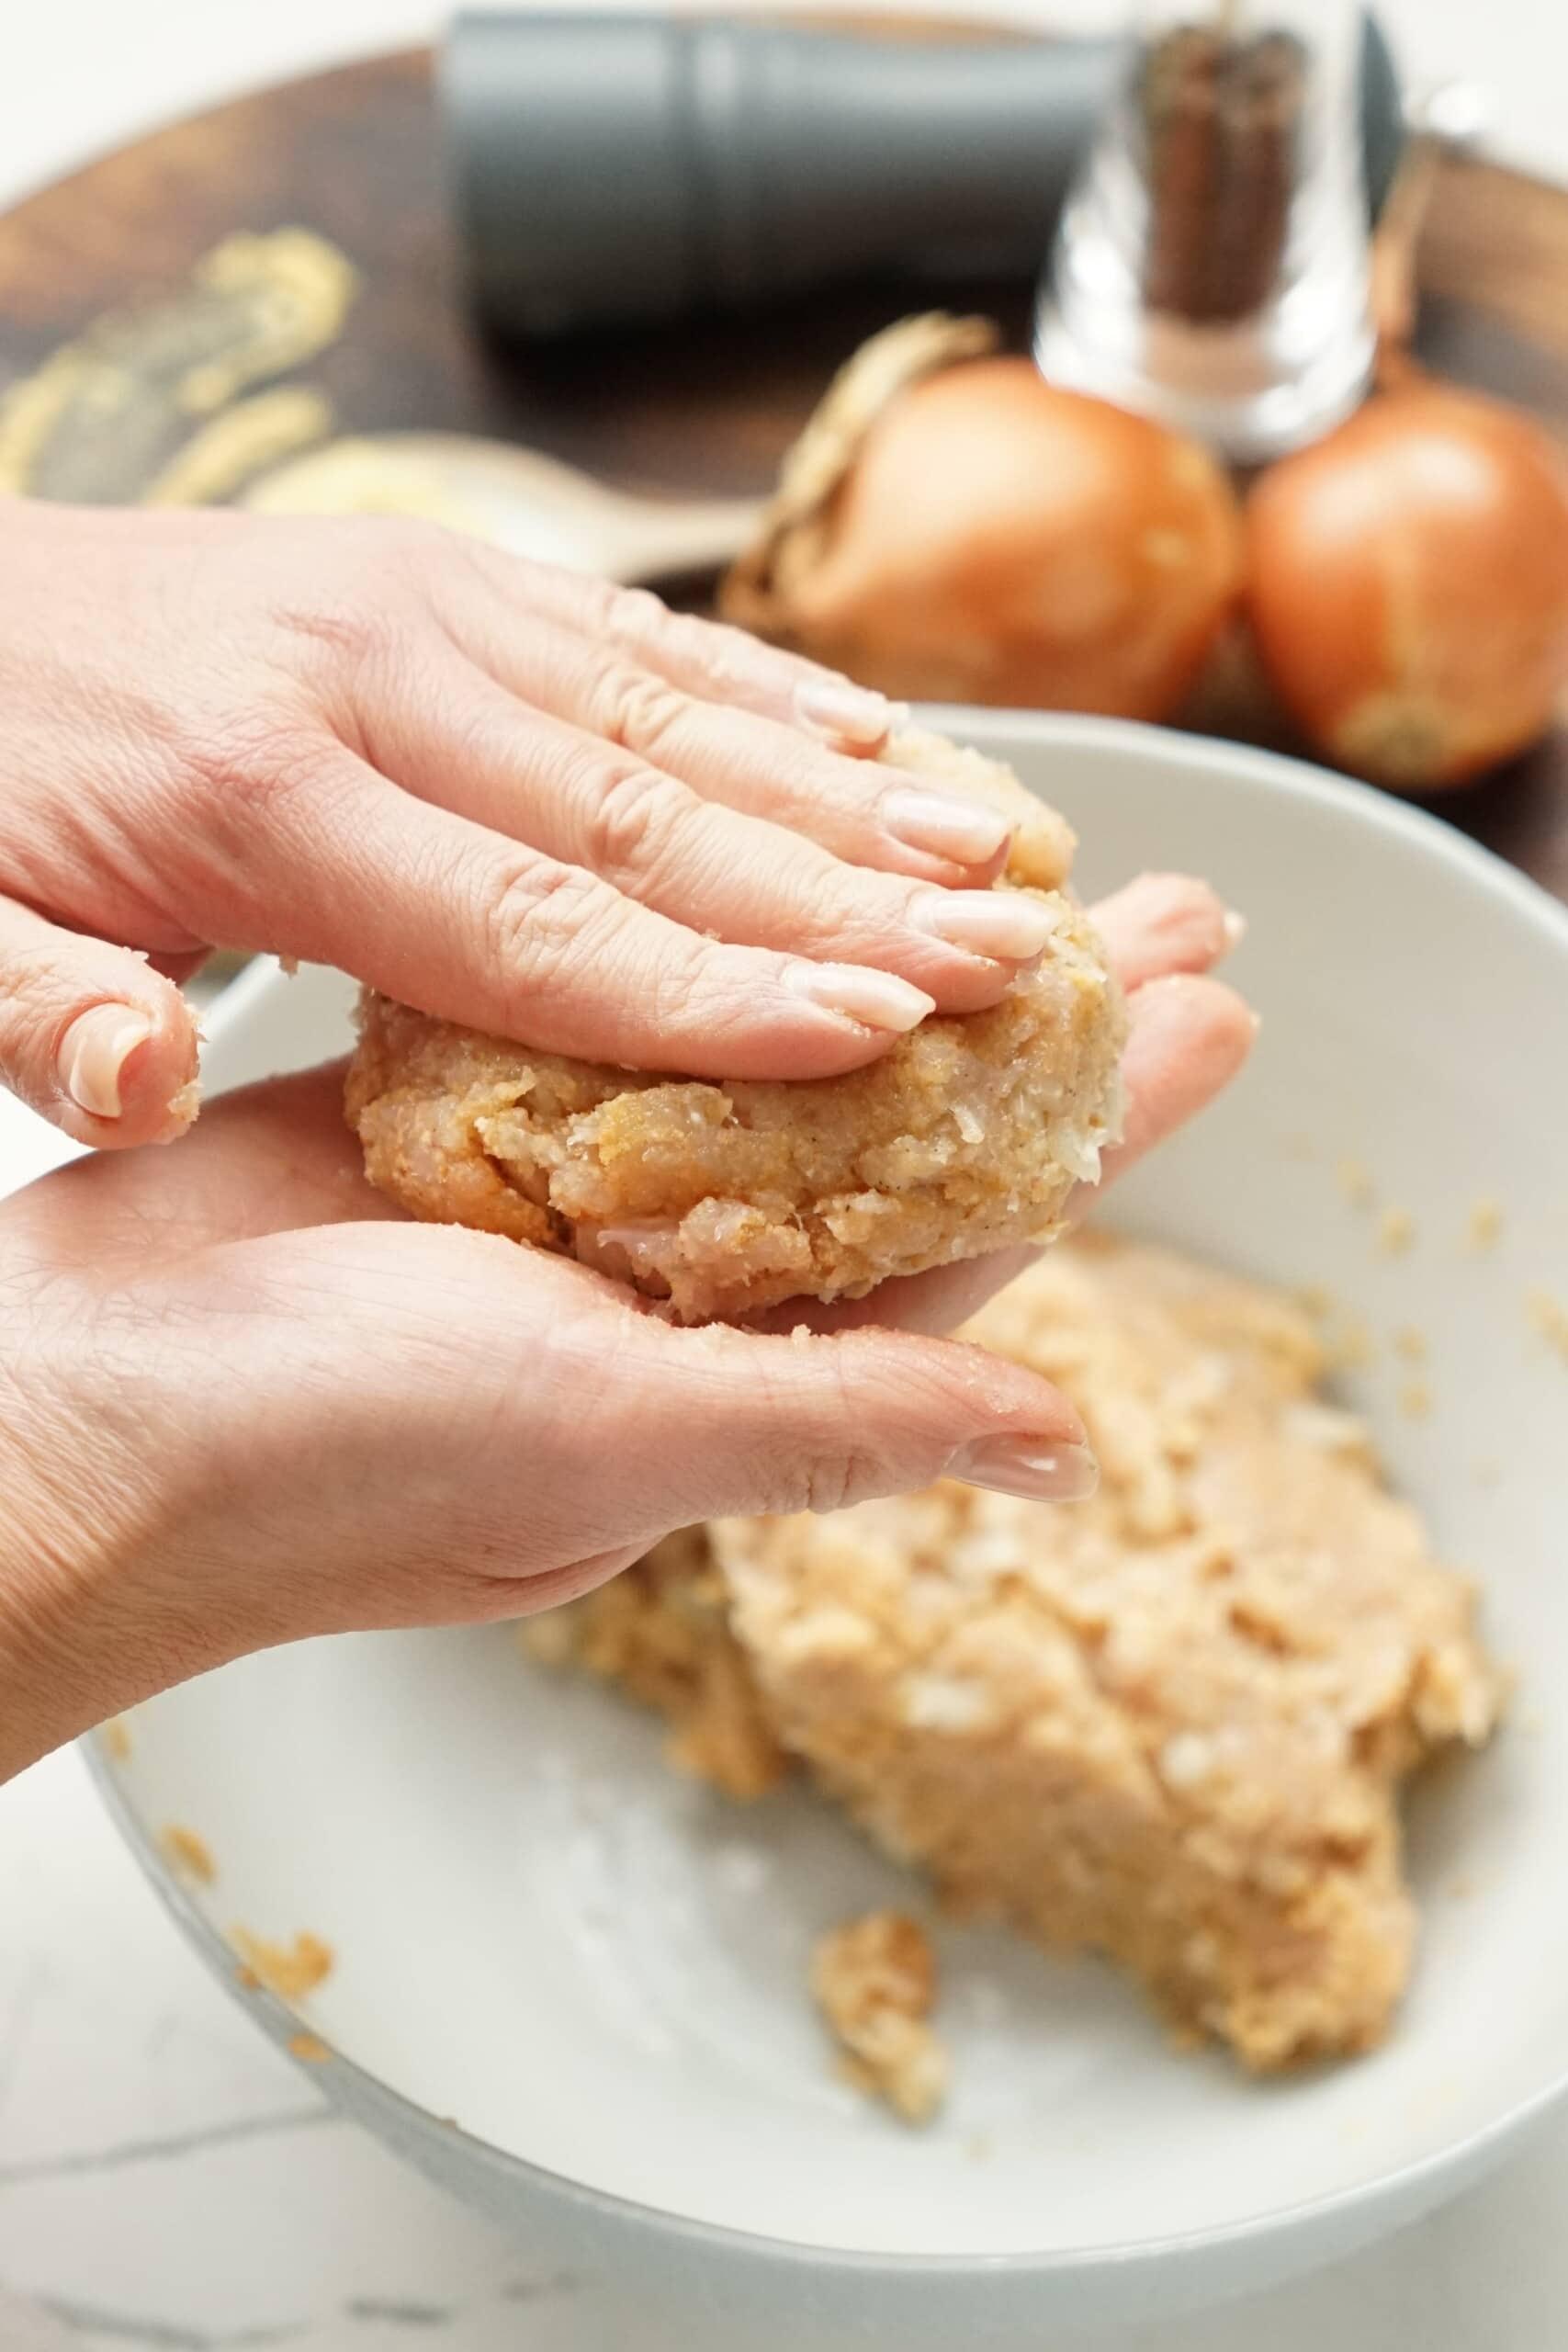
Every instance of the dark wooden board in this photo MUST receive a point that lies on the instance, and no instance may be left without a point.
(709, 407)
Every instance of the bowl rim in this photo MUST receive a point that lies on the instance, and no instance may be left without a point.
(993, 729)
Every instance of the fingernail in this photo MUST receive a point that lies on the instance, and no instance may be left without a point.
(945, 825)
(845, 714)
(95, 1051)
(1015, 1465)
(987, 922)
(1235, 928)
(875, 999)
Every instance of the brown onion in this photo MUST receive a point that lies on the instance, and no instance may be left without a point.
(1409, 586)
(954, 527)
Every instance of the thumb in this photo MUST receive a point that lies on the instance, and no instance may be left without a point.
(740, 1421)
(91, 1036)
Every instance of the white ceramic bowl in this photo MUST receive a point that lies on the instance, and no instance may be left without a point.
(598, 1972)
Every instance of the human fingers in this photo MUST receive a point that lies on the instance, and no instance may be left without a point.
(450, 916)
(429, 1425)
(707, 658)
(832, 1420)
(266, 1158)
(456, 738)
(91, 1036)
(1188, 1037)
(1162, 923)
(868, 813)
(621, 1425)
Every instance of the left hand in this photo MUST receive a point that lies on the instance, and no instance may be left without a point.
(245, 1402)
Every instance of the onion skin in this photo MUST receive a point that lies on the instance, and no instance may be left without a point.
(1001, 540)
(1408, 586)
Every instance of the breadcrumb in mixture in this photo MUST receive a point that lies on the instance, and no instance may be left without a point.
(1396, 1231)
(1355, 1181)
(1169, 1723)
(190, 1854)
(1484, 1225)
(968, 1135)
(661, 1632)
(874, 1982)
(291, 1971)
(1549, 1320)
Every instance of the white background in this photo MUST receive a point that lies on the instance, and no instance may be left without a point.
(166, 2180)
(80, 75)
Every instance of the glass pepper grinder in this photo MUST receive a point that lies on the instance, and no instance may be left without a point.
(1211, 263)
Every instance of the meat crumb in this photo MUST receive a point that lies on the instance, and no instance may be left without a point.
(1548, 1319)
(1396, 1231)
(1351, 1347)
(309, 2048)
(291, 1971)
(115, 1736)
(1416, 1400)
(1485, 1224)
(1355, 1181)
(874, 1980)
(189, 1854)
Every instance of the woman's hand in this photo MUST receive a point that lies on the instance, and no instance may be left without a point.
(245, 1401)
(1187, 1038)
(508, 795)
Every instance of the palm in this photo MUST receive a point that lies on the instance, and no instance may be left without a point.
(277, 1158)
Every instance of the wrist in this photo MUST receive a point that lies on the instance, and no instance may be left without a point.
(81, 1635)
(48, 1685)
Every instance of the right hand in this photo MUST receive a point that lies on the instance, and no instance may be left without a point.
(522, 800)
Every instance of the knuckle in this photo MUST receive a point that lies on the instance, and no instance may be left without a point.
(834, 1465)
(716, 653)
(536, 924)
(631, 615)
(831, 1482)
(830, 1478)
(635, 812)
(735, 667)
(631, 707)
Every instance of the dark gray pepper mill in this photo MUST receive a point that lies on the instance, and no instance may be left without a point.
(608, 169)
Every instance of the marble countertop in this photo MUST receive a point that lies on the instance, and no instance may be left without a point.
(166, 2180)
(168, 2183)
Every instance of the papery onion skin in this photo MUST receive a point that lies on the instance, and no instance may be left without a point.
(1408, 586)
(1001, 540)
